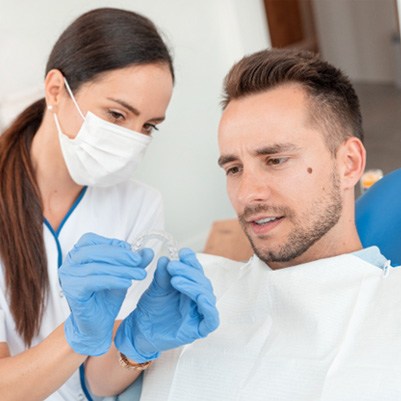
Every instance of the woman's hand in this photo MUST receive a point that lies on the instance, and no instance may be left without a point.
(178, 308)
(95, 277)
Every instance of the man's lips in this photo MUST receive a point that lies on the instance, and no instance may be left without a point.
(262, 220)
(263, 225)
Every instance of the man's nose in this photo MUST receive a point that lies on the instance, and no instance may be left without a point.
(253, 188)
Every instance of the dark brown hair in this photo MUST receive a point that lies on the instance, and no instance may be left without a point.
(100, 40)
(335, 105)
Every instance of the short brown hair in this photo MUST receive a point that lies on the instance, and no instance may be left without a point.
(335, 105)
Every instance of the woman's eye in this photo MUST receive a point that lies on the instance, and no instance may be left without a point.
(116, 116)
(149, 128)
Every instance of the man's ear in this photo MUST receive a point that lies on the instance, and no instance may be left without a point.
(54, 88)
(351, 158)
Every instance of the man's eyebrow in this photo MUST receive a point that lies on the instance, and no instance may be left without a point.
(226, 159)
(263, 151)
(276, 148)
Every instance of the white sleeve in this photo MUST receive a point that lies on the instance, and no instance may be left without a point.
(151, 216)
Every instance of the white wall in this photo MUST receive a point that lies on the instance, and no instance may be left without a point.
(355, 35)
(207, 37)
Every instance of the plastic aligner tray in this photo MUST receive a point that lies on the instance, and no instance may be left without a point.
(163, 236)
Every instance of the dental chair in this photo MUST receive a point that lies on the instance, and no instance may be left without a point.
(378, 216)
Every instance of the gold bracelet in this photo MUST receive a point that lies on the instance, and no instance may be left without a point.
(127, 364)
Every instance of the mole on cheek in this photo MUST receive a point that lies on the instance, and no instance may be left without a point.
(309, 170)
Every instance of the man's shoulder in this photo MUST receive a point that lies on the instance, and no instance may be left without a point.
(221, 271)
(209, 261)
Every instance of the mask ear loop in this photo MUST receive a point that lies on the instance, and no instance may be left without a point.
(73, 98)
(57, 123)
(162, 236)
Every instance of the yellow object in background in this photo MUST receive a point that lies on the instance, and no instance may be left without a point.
(369, 177)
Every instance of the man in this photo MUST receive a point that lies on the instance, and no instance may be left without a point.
(312, 316)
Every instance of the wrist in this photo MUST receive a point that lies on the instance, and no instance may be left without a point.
(83, 344)
(125, 347)
(132, 365)
(124, 342)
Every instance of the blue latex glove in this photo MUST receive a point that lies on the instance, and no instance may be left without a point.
(178, 308)
(95, 277)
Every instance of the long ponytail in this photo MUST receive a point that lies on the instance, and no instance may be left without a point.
(21, 224)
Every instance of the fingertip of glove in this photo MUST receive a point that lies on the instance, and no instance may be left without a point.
(92, 239)
(120, 243)
(185, 252)
(89, 237)
(209, 325)
(188, 257)
(175, 269)
(209, 311)
(142, 257)
(146, 253)
(140, 274)
(176, 281)
(163, 260)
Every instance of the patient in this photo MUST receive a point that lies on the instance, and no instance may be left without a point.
(312, 315)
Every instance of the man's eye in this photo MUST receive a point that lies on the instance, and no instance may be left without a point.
(277, 161)
(232, 170)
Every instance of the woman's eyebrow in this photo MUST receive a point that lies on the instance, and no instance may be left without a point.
(126, 105)
(133, 110)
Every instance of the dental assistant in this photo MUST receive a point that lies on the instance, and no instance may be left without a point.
(66, 169)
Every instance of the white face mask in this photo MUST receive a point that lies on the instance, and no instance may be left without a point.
(102, 154)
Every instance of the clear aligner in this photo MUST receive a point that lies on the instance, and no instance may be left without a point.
(163, 236)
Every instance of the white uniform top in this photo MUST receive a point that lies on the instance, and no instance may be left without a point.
(123, 211)
(328, 330)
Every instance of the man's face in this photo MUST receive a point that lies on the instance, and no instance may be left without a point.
(282, 179)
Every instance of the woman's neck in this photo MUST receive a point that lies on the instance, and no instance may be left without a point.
(58, 191)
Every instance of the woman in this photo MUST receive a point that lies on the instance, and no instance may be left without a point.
(66, 165)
